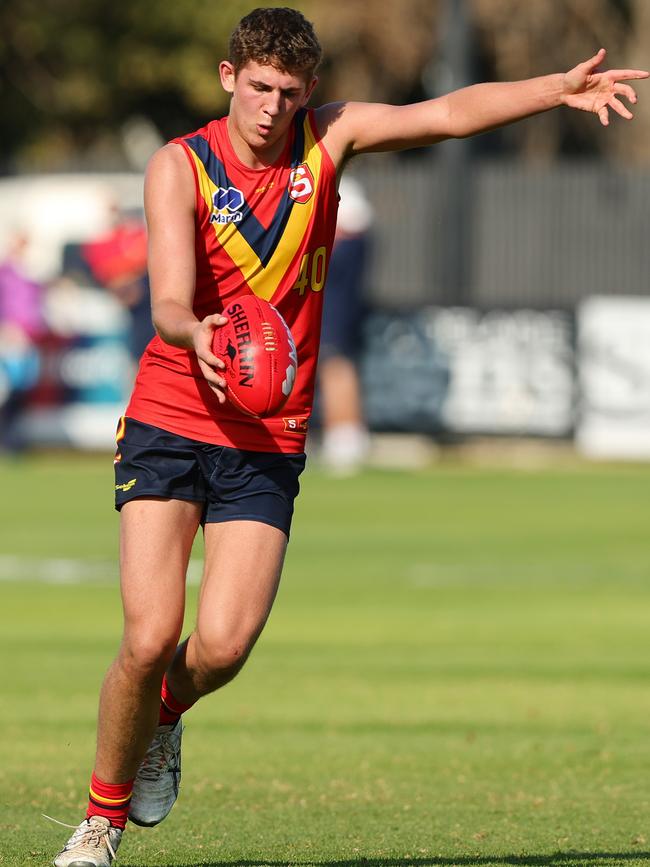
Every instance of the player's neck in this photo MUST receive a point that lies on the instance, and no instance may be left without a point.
(250, 156)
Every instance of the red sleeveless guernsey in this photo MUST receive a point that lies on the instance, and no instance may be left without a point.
(266, 231)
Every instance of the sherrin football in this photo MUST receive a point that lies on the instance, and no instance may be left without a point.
(260, 356)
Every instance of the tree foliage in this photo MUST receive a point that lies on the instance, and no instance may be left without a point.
(74, 73)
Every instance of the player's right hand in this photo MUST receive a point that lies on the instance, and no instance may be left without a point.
(208, 361)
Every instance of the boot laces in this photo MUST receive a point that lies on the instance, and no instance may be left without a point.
(90, 835)
(161, 757)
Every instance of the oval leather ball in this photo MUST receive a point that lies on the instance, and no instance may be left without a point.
(260, 356)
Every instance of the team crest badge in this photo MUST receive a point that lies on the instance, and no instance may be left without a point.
(301, 184)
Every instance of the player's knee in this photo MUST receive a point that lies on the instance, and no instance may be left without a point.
(221, 658)
(148, 654)
(221, 653)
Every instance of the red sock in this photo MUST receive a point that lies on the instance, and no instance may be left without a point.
(110, 800)
(170, 708)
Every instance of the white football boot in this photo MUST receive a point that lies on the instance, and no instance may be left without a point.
(93, 844)
(156, 784)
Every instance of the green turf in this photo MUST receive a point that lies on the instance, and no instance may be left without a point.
(456, 673)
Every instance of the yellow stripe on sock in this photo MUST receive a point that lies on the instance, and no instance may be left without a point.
(104, 800)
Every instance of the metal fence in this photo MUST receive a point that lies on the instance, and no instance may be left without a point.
(528, 236)
(483, 282)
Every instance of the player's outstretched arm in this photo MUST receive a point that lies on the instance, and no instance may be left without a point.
(169, 208)
(352, 128)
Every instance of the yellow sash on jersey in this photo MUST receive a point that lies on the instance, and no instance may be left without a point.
(264, 280)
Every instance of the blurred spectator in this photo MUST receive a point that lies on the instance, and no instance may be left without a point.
(345, 437)
(118, 261)
(21, 324)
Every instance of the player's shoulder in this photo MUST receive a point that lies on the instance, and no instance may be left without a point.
(338, 124)
(167, 155)
(333, 116)
(168, 161)
(175, 154)
(169, 177)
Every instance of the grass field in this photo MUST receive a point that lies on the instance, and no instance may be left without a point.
(456, 673)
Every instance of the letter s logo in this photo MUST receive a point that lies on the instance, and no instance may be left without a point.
(301, 184)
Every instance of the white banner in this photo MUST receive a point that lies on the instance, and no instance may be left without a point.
(614, 377)
(511, 372)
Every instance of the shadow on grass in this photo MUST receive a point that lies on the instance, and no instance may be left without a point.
(557, 859)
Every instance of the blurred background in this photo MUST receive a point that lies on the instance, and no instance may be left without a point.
(503, 293)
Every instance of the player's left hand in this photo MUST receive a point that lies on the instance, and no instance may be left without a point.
(211, 366)
(590, 90)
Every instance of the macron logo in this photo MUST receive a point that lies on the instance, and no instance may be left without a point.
(226, 205)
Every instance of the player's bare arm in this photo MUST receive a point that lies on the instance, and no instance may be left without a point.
(169, 207)
(354, 128)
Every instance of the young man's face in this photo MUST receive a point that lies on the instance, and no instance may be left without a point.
(265, 99)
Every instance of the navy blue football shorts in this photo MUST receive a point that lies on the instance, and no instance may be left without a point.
(232, 484)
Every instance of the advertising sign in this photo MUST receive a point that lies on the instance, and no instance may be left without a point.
(471, 372)
(614, 377)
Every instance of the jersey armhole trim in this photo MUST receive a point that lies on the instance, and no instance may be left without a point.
(190, 158)
(327, 159)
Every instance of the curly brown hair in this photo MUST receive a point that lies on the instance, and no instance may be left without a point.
(277, 36)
